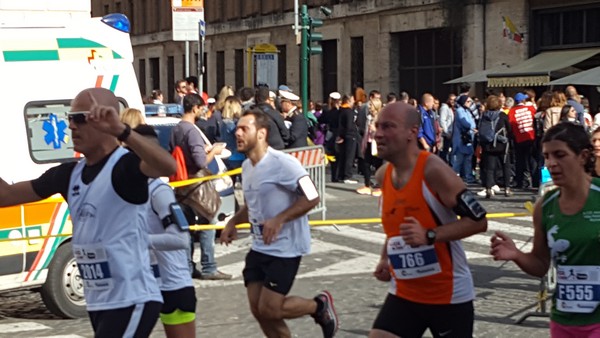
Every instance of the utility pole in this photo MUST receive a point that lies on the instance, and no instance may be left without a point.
(308, 35)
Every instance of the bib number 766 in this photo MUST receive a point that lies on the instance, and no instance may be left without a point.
(411, 260)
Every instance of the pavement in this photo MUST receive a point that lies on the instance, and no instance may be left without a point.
(342, 261)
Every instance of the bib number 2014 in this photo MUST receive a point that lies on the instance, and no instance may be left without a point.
(92, 271)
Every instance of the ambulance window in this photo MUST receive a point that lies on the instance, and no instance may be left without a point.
(48, 132)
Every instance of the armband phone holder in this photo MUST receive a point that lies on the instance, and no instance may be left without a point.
(176, 217)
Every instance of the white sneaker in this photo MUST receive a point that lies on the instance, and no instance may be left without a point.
(495, 188)
(349, 181)
(482, 192)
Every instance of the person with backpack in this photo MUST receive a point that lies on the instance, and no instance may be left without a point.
(494, 129)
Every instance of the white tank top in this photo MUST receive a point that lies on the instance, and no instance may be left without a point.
(172, 266)
(110, 242)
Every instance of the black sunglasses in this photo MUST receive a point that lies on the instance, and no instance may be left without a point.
(77, 117)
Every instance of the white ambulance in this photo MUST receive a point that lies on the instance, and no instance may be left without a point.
(49, 51)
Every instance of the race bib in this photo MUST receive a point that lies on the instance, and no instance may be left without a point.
(408, 262)
(154, 265)
(93, 267)
(257, 230)
(577, 288)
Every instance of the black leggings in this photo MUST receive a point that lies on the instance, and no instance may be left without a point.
(490, 162)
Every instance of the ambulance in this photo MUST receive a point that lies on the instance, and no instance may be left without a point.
(49, 51)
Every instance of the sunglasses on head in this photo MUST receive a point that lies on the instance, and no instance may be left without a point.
(77, 117)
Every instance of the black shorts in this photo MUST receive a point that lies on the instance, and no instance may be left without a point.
(182, 299)
(133, 321)
(407, 319)
(275, 273)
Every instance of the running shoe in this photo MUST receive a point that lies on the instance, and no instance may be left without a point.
(364, 191)
(376, 192)
(327, 317)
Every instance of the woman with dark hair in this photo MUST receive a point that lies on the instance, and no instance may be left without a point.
(595, 139)
(566, 229)
(568, 114)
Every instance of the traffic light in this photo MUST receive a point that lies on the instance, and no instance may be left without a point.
(314, 36)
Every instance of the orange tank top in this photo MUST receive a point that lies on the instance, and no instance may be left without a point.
(429, 274)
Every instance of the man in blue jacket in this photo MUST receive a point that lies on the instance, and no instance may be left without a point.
(462, 139)
(427, 130)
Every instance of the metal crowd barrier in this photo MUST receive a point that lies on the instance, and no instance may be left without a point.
(313, 160)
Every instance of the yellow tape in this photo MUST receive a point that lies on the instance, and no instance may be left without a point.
(332, 222)
(59, 199)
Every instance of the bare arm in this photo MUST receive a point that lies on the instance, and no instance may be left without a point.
(240, 217)
(446, 185)
(18, 193)
(229, 233)
(536, 262)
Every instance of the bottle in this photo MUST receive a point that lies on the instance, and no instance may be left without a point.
(546, 178)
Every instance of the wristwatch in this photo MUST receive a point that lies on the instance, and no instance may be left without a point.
(430, 235)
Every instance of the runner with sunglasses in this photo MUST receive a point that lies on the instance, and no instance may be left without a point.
(107, 193)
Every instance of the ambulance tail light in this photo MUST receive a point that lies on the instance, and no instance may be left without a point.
(118, 21)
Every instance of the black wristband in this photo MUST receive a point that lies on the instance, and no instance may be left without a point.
(125, 134)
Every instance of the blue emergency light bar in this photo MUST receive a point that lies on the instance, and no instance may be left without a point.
(117, 21)
(167, 109)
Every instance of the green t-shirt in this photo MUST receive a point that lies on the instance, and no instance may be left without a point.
(574, 243)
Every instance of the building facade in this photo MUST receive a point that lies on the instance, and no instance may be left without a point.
(389, 45)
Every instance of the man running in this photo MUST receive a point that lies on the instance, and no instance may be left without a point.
(431, 285)
(278, 194)
(107, 193)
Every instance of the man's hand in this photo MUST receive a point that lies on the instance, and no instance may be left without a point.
(382, 271)
(228, 234)
(271, 229)
(413, 232)
(104, 118)
(216, 148)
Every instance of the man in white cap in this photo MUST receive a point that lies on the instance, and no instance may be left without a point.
(298, 123)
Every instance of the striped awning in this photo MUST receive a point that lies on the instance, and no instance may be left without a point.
(538, 70)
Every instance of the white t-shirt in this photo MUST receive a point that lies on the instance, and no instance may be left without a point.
(271, 187)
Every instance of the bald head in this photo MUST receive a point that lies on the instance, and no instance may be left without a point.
(427, 101)
(571, 92)
(405, 113)
(104, 97)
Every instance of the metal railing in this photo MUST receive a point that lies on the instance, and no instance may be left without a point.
(312, 159)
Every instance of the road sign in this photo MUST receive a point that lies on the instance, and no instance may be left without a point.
(186, 16)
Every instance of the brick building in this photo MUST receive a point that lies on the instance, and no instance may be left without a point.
(390, 45)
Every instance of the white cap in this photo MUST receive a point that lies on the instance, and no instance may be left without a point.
(335, 95)
(272, 94)
(211, 100)
(289, 96)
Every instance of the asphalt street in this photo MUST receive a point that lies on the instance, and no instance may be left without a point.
(342, 261)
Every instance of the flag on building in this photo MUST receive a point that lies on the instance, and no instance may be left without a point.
(510, 31)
